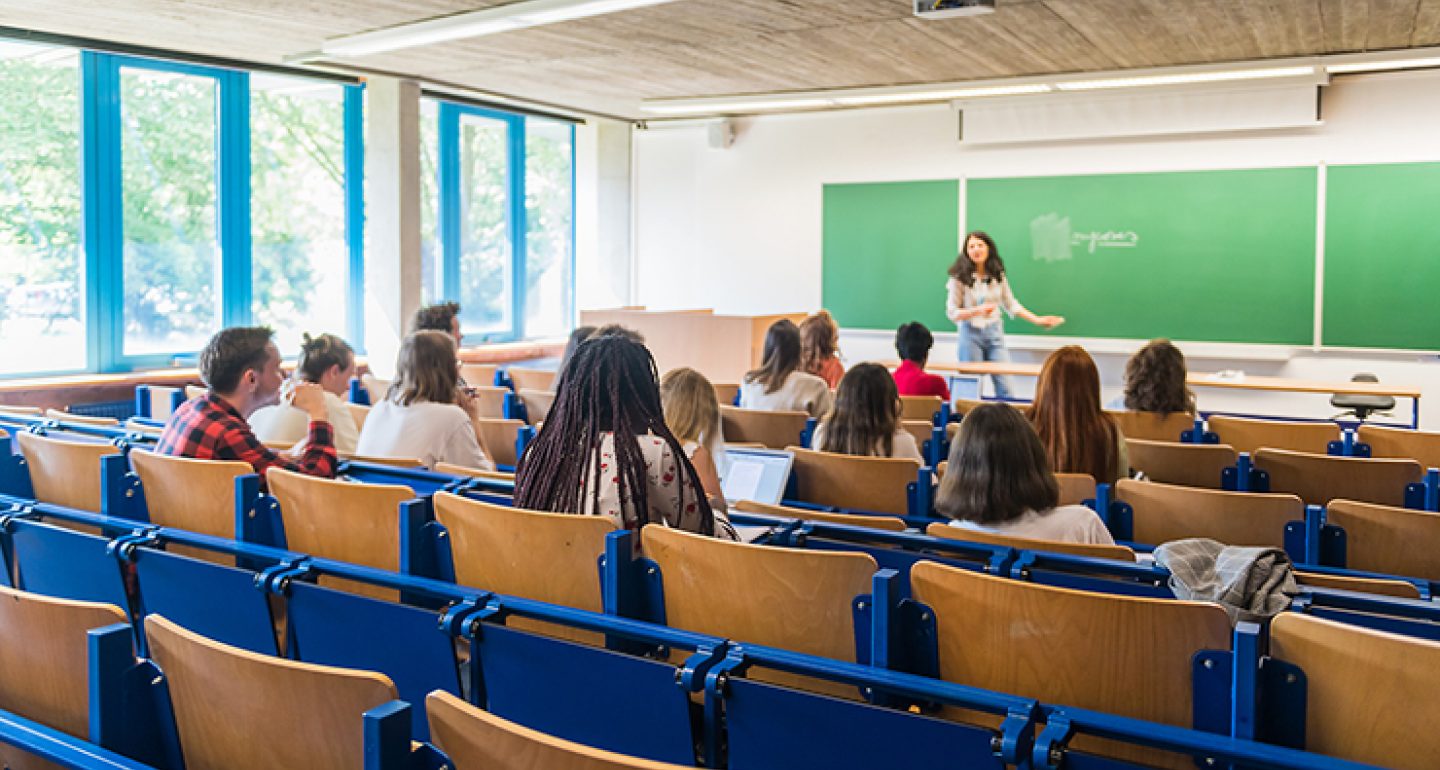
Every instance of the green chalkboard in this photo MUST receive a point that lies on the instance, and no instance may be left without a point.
(1216, 256)
(886, 249)
(1382, 256)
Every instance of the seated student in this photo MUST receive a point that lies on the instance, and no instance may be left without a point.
(692, 412)
(1078, 436)
(578, 336)
(779, 385)
(577, 465)
(999, 481)
(440, 317)
(1155, 380)
(328, 362)
(241, 369)
(866, 418)
(913, 342)
(427, 416)
(819, 344)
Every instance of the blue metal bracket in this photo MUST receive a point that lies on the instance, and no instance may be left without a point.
(716, 681)
(1245, 477)
(276, 579)
(258, 520)
(807, 434)
(877, 633)
(1425, 495)
(121, 494)
(523, 437)
(358, 393)
(1198, 434)
(123, 547)
(1244, 697)
(1211, 677)
(17, 511)
(454, 621)
(1295, 541)
(512, 408)
(387, 736)
(1049, 751)
(914, 644)
(1281, 710)
(690, 677)
(1314, 523)
(418, 555)
(1348, 445)
(1016, 740)
(921, 493)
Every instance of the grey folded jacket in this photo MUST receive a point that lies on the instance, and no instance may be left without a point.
(1250, 583)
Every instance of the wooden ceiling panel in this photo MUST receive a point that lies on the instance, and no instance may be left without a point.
(1368, 25)
(1021, 39)
(1427, 24)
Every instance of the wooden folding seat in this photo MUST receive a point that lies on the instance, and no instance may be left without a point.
(190, 494)
(548, 557)
(1421, 446)
(875, 484)
(919, 429)
(450, 469)
(492, 401)
(794, 599)
(537, 403)
(920, 407)
(235, 708)
(44, 664)
(1075, 488)
(1153, 426)
(1093, 550)
(393, 462)
(344, 521)
(962, 406)
(65, 473)
(531, 379)
(775, 430)
(1247, 435)
(726, 392)
(1388, 539)
(1191, 465)
(887, 523)
(497, 438)
(359, 413)
(1166, 512)
(15, 410)
(1398, 588)
(1369, 695)
(1320, 478)
(478, 375)
(1118, 654)
(82, 419)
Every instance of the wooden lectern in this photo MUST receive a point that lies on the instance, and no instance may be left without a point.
(722, 347)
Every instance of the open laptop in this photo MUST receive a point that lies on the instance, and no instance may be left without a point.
(759, 475)
(966, 386)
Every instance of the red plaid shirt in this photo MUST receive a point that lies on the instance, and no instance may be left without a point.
(209, 428)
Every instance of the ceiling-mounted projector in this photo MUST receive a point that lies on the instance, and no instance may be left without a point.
(949, 9)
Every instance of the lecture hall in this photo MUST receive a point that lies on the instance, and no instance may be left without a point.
(730, 384)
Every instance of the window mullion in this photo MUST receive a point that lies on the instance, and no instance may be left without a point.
(101, 206)
(518, 226)
(355, 213)
(236, 277)
(449, 214)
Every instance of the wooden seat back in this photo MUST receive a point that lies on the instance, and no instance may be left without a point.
(1153, 426)
(235, 708)
(64, 473)
(81, 419)
(478, 375)
(1399, 588)
(794, 599)
(531, 379)
(1094, 550)
(920, 407)
(21, 411)
(1388, 539)
(1248, 435)
(1421, 446)
(537, 403)
(919, 429)
(475, 739)
(962, 406)
(393, 462)
(548, 557)
(1166, 512)
(356, 523)
(492, 401)
(775, 430)
(1368, 693)
(1075, 488)
(359, 413)
(1319, 478)
(726, 392)
(887, 523)
(1191, 465)
(876, 484)
(497, 438)
(190, 494)
(196, 391)
(44, 659)
(1118, 654)
(376, 387)
(450, 469)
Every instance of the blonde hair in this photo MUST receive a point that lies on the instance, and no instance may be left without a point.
(692, 410)
(426, 369)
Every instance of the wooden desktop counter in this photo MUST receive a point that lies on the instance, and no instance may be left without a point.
(722, 347)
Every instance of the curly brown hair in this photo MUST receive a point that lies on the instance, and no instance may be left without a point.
(819, 337)
(1155, 380)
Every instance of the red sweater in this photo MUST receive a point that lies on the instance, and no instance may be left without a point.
(911, 380)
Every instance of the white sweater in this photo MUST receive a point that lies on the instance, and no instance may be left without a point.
(800, 392)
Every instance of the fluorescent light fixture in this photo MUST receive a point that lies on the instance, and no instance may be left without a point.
(1183, 78)
(1377, 66)
(720, 106)
(941, 95)
(489, 21)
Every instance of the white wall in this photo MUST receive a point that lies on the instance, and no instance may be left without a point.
(739, 229)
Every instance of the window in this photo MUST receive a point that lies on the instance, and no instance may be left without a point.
(300, 258)
(485, 231)
(432, 267)
(42, 322)
(549, 218)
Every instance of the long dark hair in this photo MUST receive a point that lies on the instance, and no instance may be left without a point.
(964, 270)
(425, 369)
(1079, 437)
(608, 386)
(1155, 380)
(866, 413)
(782, 356)
(998, 470)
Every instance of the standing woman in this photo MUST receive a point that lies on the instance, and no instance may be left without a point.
(977, 290)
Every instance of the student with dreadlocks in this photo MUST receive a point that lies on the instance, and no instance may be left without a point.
(577, 465)
(779, 385)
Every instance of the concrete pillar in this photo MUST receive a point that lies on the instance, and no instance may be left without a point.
(392, 196)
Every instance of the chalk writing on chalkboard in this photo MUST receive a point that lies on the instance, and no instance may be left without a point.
(1052, 239)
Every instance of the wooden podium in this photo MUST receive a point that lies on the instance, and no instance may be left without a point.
(722, 347)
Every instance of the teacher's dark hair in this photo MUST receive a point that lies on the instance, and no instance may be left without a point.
(964, 270)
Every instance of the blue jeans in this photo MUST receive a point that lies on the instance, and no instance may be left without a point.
(986, 344)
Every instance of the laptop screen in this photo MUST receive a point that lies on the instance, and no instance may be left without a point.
(965, 386)
(759, 475)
